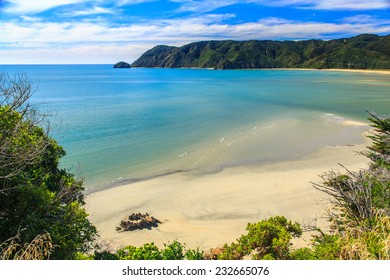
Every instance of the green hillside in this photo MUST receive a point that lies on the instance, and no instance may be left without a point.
(361, 52)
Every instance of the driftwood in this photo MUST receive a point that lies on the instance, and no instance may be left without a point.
(138, 221)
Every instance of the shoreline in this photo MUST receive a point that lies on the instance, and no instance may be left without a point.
(236, 139)
(373, 71)
(212, 209)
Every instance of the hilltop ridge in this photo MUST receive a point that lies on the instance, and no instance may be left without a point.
(366, 51)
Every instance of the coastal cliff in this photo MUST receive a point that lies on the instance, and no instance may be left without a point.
(361, 52)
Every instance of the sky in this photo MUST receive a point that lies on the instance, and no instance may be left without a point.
(108, 31)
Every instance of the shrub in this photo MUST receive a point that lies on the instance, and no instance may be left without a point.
(173, 251)
(267, 239)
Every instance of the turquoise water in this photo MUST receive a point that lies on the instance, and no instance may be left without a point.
(119, 125)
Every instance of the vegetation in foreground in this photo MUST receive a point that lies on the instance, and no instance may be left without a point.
(41, 214)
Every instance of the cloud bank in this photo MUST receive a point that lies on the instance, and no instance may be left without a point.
(83, 31)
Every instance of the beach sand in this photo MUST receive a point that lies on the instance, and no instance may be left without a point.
(209, 210)
(373, 71)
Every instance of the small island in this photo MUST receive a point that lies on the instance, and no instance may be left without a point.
(121, 64)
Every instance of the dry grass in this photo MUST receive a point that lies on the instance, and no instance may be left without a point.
(39, 248)
(359, 243)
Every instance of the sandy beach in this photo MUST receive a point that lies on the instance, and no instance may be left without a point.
(209, 210)
(373, 71)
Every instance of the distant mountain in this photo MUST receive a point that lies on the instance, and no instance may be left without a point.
(361, 52)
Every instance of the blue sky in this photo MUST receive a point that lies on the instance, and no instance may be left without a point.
(85, 31)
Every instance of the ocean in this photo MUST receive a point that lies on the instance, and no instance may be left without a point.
(125, 125)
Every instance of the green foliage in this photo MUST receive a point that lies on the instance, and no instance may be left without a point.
(380, 148)
(232, 252)
(126, 253)
(267, 239)
(327, 247)
(105, 255)
(194, 254)
(36, 196)
(323, 247)
(83, 257)
(71, 230)
(303, 253)
(149, 251)
(360, 52)
(173, 251)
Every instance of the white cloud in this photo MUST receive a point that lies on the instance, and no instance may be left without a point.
(27, 18)
(191, 29)
(203, 6)
(206, 6)
(92, 11)
(206, 19)
(361, 19)
(328, 4)
(88, 54)
(30, 6)
(131, 2)
(352, 4)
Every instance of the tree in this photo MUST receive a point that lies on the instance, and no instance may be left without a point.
(379, 151)
(20, 142)
(36, 196)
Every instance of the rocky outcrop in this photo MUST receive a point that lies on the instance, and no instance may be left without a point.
(138, 221)
(122, 64)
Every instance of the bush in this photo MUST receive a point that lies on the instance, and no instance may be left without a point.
(173, 251)
(149, 251)
(194, 254)
(267, 239)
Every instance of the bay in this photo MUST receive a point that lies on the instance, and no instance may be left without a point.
(123, 125)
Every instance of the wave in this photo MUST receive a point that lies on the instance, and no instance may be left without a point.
(122, 182)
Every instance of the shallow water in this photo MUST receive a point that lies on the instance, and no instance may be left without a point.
(129, 124)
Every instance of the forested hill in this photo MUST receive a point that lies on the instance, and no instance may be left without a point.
(361, 52)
